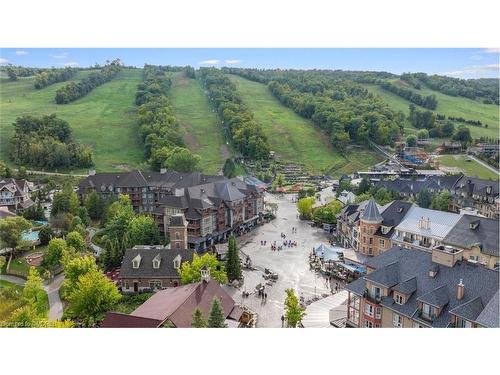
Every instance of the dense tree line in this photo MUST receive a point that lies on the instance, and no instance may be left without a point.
(485, 88)
(428, 101)
(190, 72)
(13, 72)
(46, 142)
(468, 122)
(246, 134)
(344, 109)
(75, 90)
(158, 127)
(48, 77)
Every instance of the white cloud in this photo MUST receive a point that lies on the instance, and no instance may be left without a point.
(234, 61)
(22, 53)
(476, 57)
(70, 64)
(473, 71)
(62, 55)
(492, 50)
(3, 61)
(209, 62)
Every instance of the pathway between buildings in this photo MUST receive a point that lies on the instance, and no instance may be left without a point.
(52, 289)
(486, 165)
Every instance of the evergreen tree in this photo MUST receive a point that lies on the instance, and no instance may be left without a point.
(198, 320)
(216, 317)
(424, 199)
(233, 266)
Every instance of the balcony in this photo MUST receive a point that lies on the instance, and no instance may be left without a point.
(425, 317)
(371, 297)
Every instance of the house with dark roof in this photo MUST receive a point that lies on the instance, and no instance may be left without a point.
(476, 193)
(15, 194)
(213, 206)
(478, 238)
(410, 188)
(415, 288)
(174, 307)
(151, 268)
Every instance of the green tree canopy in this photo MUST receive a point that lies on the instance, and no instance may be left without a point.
(304, 206)
(190, 272)
(11, 229)
(198, 320)
(142, 230)
(216, 318)
(294, 312)
(233, 265)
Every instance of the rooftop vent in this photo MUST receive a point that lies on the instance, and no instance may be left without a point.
(460, 290)
(433, 271)
(163, 170)
(474, 224)
(400, 209)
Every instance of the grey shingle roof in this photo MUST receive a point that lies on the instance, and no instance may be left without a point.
(371, 212)
(407, 286)
(438, 297)
(146, 269)
(484, 235)
(387, 276)
(177, 220)
(489, 317)
(392, 216)
(469, 310)
(478, 282)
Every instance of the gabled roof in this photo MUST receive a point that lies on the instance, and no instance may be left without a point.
(178, 304)
(438, 297)
(120, 320)
(407, 286)
(387, 276)
(392, 216)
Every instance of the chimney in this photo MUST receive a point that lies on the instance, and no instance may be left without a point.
(163, 170)
(460, 290)
(205, 274)
(91, 172)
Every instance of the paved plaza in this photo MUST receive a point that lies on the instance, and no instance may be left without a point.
(291, 264)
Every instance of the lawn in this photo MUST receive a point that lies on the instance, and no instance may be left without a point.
(202, 133)
(470, 168)
(105, 118)
(292, 137)
(455, 106)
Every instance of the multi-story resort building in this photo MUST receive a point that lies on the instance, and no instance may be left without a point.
(415, 288)
(214, 206)
(16, 194)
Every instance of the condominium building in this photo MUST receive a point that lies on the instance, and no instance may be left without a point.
(406, 288)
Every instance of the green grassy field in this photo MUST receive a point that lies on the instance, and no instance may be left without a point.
(105, 119)
(450, 106)
(202, 132)
(292, 137)
(470, 168)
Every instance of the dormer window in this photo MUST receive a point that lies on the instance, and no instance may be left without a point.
(177, 236)
(473, 225)
(136, 262)
(156, 262)
(177, 262)
(399, 299)
(488, 190)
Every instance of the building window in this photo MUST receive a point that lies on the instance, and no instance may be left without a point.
(426, 310)
(126, 285)
(368, 309)
(381, 242)
(368, 324)
(177, 236)
(397, 320)
(376, 292)
(177, 245)
(371, 241)
(399, 299)
(378, 313)
(462, 323)
(154, 284)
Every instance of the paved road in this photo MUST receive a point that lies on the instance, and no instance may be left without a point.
(52, 290)
(96, 249)
(30, 171)
(486, 165)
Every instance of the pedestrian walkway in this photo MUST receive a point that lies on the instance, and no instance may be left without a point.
(318, 313)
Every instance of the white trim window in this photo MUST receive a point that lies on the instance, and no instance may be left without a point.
(399, 299)
(397, 320)
(378, 312)
(368, 324)
(368, 309)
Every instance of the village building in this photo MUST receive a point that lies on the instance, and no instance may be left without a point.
(15, 194)
(414, 288)
(151, 268)
(478, 194)
(423, 228)
(477, 238)
(174, 307)
(214, 207)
